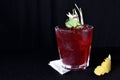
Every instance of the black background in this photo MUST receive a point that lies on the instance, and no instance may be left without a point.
(27, 26)
(28, 42)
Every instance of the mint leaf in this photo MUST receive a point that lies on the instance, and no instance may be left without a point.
(72, 23)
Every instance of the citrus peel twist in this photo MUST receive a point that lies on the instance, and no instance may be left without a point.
(105, 67)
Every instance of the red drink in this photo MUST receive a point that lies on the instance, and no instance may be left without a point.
(74, 46)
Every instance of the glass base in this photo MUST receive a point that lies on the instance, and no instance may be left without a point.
(75, 68)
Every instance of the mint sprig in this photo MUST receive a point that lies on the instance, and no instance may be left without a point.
(72, 23)
(73, 20)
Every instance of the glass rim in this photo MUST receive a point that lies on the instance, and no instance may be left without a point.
(65, 28)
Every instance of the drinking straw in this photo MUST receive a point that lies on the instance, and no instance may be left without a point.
(81, 15)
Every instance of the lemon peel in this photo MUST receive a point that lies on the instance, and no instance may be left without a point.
(105, 67)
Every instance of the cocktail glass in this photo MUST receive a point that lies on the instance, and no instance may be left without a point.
(74, 46)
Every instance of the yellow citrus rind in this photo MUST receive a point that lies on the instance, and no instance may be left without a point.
(105, 67)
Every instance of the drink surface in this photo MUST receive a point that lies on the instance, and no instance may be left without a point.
(74, 45)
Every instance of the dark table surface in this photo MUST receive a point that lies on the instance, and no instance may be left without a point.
(35, 67)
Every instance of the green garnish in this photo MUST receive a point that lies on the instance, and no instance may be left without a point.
(73, 20)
